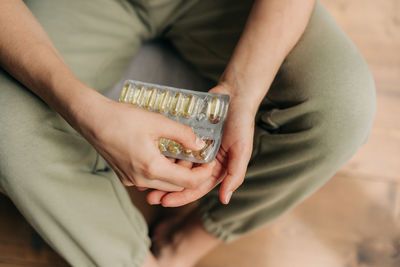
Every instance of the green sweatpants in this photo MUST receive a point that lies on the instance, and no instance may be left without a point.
(317, 113)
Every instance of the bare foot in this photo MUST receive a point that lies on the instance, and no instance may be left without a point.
(162, 234)
(181, 241)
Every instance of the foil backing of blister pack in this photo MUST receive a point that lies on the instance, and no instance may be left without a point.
(204, 112)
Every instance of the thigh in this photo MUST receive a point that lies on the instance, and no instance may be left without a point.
(324, 81)
(207, 34)
(317, 113)
(52, 174)
(96, 38)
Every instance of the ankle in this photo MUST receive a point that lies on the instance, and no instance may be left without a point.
(193, 241)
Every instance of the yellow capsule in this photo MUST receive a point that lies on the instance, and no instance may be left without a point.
(163, 144)
(187, 152)
(138, 96)
(125, 89)
(151, 96)
(213, 109)
(174, 147)
(188, 105)
(162, 101)
(197, 155)
(176, 104)
(129, 95)
(141, 96)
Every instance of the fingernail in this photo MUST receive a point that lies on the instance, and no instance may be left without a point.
(228, 197)
(199, 142)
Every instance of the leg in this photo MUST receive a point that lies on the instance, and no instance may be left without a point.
(317, 113)
(54, 177)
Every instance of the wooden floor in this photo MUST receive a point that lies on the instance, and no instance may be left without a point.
(354, 220)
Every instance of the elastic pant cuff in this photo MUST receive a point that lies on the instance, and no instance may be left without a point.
(211, 226)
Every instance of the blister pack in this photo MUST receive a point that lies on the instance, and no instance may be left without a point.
(204, 112)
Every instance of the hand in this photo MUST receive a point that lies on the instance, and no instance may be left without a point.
(231, 160)
(127, 137)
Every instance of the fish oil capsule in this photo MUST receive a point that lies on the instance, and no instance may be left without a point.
(176, 104)
(141, 96)
(187, 152)
(188, 105)
(125, 90)
(200, 154)
(163, 144)
(162, 101)
(204, 112)
(138, 95)
(213, 109)
(129, 95)
(197, 155)
(151, 96)
(174, 147)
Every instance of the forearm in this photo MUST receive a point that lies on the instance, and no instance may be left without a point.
(272, 30)
(27, 53)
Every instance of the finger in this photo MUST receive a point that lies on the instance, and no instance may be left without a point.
(160, 185)
(186, 196)
(180, 133)
(172, 160)
(185, 163)
(154, 197)
(236, 170)
(180, 175)
(140, 188)
(175, 199)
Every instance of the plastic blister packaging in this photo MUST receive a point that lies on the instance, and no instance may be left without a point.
(204, 112)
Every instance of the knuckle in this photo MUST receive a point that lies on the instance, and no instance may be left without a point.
(153, 170)
(149, 169)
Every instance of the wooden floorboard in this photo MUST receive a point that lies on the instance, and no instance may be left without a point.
(353, 221)
(19, 243)
(349, 222)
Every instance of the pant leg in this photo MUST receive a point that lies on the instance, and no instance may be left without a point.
(51, 173)
(317, 113)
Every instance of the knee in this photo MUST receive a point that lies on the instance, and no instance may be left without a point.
(19, 152)
(26, 122)
(346, 110)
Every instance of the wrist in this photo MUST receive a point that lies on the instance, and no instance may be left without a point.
(86, 110)
(74, 101)
(247, 89)
(241, 100)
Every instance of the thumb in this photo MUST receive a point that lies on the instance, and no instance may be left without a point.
(182, 134)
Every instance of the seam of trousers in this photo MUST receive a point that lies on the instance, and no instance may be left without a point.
(141, 229)
(137, 222)
(210, 225)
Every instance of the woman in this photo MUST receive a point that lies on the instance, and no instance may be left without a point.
(302, 103)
